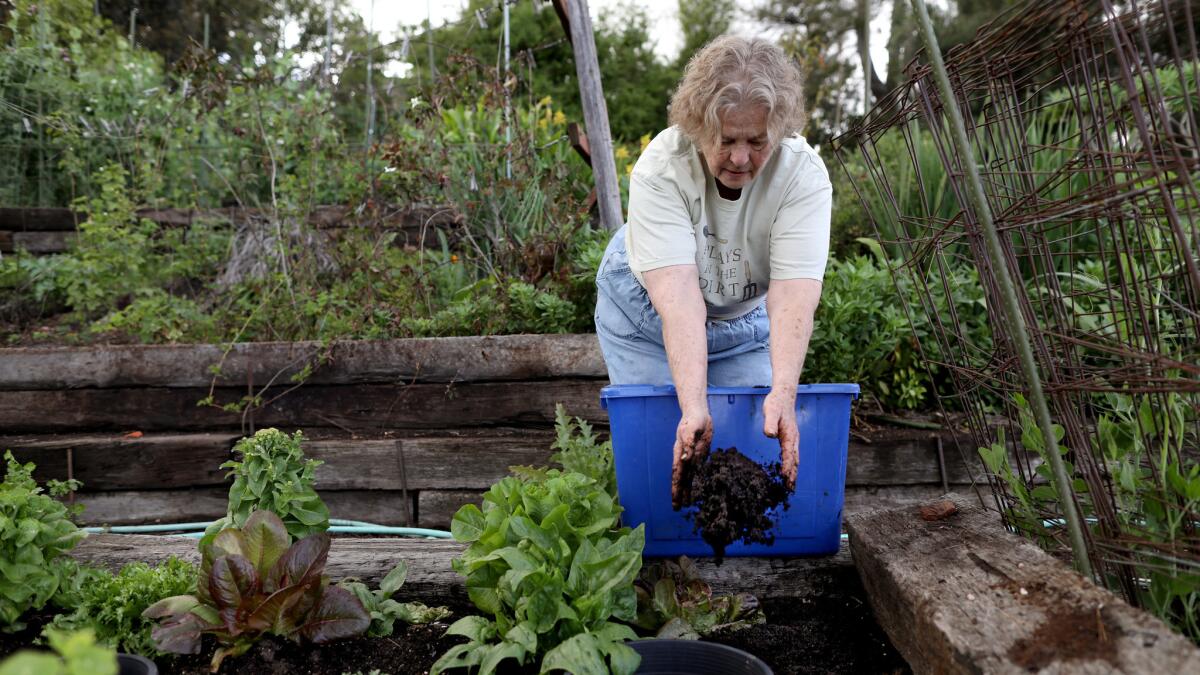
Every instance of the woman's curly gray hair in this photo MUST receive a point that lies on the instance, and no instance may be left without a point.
(733, 71)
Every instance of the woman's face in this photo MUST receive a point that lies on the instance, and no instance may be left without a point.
(735, 157)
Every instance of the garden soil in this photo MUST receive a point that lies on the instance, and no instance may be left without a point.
(732, 494)
(832, 633)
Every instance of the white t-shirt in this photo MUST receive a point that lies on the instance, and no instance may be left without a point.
(777, 229)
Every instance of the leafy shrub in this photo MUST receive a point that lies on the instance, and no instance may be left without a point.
(118, 254)
(35, 531)
(547, 563)
(862, 333)
(74, 654)
(484, 308)
(274, 476)
(384, 610)
(111, 606)
(252, 583)
(675, 602)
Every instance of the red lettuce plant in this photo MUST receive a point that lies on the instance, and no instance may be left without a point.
(252, 583)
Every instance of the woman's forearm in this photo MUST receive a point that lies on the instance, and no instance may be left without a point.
(675, 293)
(791, 304)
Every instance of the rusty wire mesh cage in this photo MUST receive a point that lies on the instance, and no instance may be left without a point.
(1083, 120)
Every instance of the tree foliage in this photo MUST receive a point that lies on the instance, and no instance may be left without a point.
(702, 20)
(239, 29)
(826, 37)
(637, 84)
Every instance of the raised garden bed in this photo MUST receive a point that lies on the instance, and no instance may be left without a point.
(409, 430)
(831, 633)
(819, 618)
(392, 420)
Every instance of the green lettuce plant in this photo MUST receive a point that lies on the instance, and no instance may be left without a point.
(35, 531)
(251, 584)
(384, 610)
(550, 567)
(111, 605)
(73, 654)
(273, 475)
(675, 602)
(580, 450)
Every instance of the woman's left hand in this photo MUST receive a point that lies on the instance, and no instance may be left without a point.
(779, 411)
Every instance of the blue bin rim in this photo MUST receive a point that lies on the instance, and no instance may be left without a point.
(644, 390)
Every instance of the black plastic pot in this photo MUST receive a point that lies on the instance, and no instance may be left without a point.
(693, 657)
(132, 664)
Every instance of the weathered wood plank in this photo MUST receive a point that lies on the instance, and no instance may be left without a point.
(120, 462)
(41, 242)
(873, 498)
(906, 459)
(148, 507)
(426, 463)
(139, 507)
(435, 460)
(595, 114)
(382, 507)
(24, 219)
(432, 508)
(362, 409)
(454, 359)
(171, 460)
(962, 595)
(436, 508)
(432, 580)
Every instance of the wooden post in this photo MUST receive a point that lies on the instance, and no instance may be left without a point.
(595, 112)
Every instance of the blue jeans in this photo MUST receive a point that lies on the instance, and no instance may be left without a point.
(631, 339)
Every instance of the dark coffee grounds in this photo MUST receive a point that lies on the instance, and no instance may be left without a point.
(732, 494)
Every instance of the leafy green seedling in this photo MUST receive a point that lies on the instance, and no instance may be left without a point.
(579, 450)
(252, 583)
(111, 605)
(273, 475)
(384, 610)
(675, 602)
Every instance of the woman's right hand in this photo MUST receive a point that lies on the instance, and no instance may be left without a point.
(692, 440)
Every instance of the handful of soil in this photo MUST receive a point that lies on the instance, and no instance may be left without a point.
(732, 494)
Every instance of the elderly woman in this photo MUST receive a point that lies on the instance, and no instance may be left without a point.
(717, 274)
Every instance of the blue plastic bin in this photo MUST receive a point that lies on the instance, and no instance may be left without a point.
(644, 418)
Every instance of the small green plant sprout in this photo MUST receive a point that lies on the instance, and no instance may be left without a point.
(675, 602)
(580, 450)
(384, 610)
(111, 605)
(252, 583)
(550, 567)
(73, 654)
(35, 531)
(273, 475)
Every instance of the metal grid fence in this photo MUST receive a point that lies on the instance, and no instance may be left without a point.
(1083, 117)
